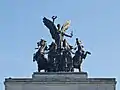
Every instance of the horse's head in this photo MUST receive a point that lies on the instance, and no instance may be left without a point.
(42, 42)
(53, 46)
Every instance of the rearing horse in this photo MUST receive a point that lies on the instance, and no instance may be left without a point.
(80, 54)
(39, 56)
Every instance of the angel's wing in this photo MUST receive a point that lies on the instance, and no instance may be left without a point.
(50, 25)
(65, 26)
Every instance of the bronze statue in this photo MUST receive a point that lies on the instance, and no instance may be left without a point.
(57, 33)
(39, 56)
(60, 56)
(52, 53)
(67, 56)
(80, 54)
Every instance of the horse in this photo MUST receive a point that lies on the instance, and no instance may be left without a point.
(80, 54)
(67, 57)
(39, 56)
(52, 57)
(78, 59)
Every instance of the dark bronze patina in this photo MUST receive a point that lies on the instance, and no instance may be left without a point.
(59, 55)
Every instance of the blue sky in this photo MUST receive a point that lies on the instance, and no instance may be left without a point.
(95, 22)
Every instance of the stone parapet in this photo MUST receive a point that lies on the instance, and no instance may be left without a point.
(60, 80)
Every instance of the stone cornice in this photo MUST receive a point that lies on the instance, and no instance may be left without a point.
(61, 77)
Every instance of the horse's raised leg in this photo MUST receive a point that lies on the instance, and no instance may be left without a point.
(85, 55)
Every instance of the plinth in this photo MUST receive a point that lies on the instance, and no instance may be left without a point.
(60, 81)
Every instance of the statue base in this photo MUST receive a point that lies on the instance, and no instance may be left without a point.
(58, 76)
(60, 81)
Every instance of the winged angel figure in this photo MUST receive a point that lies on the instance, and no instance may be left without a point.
(58, 32)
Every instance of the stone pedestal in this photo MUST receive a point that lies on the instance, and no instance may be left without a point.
(60, 81)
